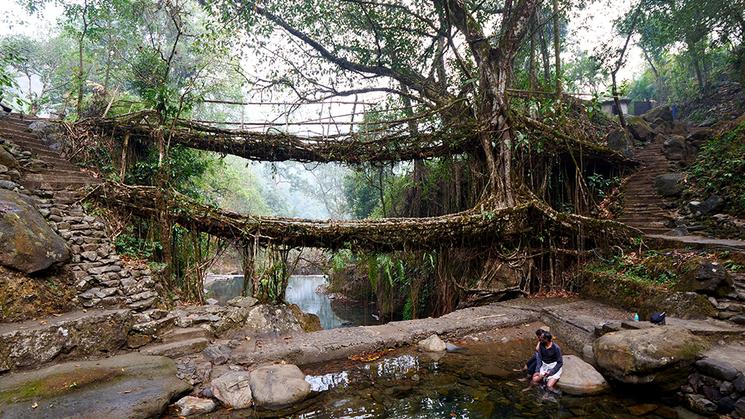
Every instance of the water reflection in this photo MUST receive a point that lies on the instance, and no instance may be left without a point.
(475, 383)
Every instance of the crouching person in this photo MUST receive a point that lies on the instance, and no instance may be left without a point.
(549, 362)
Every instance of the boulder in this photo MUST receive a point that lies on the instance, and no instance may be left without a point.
(700, 136)
(708, 206)
(675, 149)
(432, 344)
(640, 129)
(670, 184)
(124, 386)
(191, 405)
(233, 389)
(27, 243)
(7, 159)
(580, 378)
(618, 140)
(659, 355)
(663, 113)
(271, 319)
(277, 386)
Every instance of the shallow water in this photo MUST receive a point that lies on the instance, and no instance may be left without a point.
(476, 382)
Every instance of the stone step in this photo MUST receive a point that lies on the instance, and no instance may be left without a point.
(181, 334)
(177, 349)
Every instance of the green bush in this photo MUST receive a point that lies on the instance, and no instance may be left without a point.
(719, 167)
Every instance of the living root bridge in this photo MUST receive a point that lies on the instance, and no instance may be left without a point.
(380, 145)
(472, 228)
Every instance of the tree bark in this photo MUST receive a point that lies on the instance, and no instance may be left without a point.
(557, 47)
(80, 74)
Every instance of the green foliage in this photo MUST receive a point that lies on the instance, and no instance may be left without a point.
(645, 270)
(131, 245)
(602, 185)
(719, 167)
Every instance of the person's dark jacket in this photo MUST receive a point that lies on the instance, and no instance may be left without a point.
(549, 355)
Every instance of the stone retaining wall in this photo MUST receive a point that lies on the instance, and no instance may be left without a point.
(716, 387)
(102, 280)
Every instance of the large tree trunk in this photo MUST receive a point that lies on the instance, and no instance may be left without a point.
(81, 73)
(557, 47)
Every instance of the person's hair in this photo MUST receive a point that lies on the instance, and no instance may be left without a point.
(540, 332)
(547, 336)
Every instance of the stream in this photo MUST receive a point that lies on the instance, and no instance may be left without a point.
(476, 381)
(303, 291)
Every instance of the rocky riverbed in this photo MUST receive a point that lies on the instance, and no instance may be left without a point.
(266, 348)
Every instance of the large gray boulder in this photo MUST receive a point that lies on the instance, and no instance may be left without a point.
(658, 355)
(233, 389)
(580, 378)
(676, 149)
(125, 386)
(670, 184)
(27, 243)
(278, 386)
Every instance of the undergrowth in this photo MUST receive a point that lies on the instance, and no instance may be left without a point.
(719, 167)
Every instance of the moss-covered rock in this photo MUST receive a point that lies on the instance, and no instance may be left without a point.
(126, 386)
(659, 356)
(640, 129)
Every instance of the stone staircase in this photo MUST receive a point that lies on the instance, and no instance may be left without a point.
(643, 207)
(57, 188)
(58, 173)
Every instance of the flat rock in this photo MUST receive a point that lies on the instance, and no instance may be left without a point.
(580, 378)
(277, 386)
(69, 336)
(233, 389)
(27, 242)
(332, 344)
(177, 349)
(125, 386)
